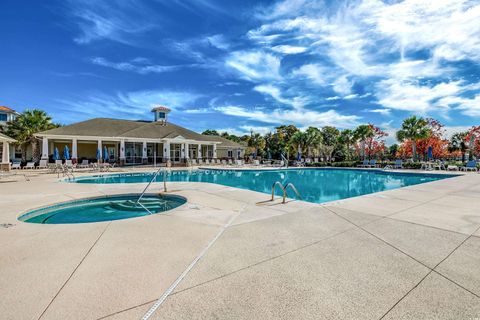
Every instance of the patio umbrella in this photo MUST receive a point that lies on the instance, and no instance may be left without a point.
(269, 155)
(299, 156)
(105, 154)
(66, 153)
(430, 153)
(99, 156)
(56, 155)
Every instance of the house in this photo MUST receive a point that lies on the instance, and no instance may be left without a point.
(7, 114)
(5, 152)
(130, 142)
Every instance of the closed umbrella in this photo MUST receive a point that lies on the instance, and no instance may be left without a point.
(66, 153)
(106, 157)
(430, 153)
(99, 155)
(299, 156)
(56, 155)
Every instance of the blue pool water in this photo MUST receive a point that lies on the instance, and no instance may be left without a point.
(102, 209)
(315, 185)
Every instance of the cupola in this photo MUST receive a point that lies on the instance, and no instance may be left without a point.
(161, 113)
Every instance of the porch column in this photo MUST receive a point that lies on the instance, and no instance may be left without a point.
(187, 151)
(144, 153)
(199, 152)
(6, 152)
(166, 150)
(122, 152)
(74, 150)
(99, 147)
(182, 151)
(215, 151)
(44, 148)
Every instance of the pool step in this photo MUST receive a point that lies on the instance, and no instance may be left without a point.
(130, 205)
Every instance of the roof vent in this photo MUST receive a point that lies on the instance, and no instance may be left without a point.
(161, 113)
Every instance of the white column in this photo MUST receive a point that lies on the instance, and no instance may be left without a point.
(182, 151)
(122, 149)
(44, 148)
(74, 149)
(99, 147)
(6, 152)
(166, 150)
(144, 150)
(215, 151)
(187, 151)
(199, 153)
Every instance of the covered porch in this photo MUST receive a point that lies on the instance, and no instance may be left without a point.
(5, 142)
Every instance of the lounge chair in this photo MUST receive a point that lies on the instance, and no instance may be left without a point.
(238, 162)
(470, 166)
(439, 165)
(365, 164)
(200, 161)
(373, 163)
(194, 162)
(230, 162)
(315, 160)
(43, 164)
(69, 164)
(29, 165)
(398, 164)
(219, 161)
(207, 161)
(224, 162)
(16, 165)
(84, 164)
(256, 162)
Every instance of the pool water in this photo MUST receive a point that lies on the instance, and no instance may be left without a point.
(102, 209)
(314, 184)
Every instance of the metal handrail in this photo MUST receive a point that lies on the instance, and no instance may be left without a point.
(284, 159)
(281, 187)
(291, 185)
(284, 189)
(148, 185)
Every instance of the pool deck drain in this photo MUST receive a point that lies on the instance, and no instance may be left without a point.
(405, 253)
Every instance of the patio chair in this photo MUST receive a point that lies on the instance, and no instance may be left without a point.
(194, 162)
(398, 164)
(315, 160)
(224, 162)
(207, 161)
(16, 165)
(470, 166)
(365, 164)
(200, 161)
(230, 162)
(439, 165)
(29, 165)
(256, 162)
(43, 164)
(219, 161)
(372, 163)
(84, 164)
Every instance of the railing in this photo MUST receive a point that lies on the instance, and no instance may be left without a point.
(284, 190)
(148, 185)
(285, 160)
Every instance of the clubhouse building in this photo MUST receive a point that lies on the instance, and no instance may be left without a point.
(130, 142)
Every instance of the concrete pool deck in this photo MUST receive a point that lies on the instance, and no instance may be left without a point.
(409, 253)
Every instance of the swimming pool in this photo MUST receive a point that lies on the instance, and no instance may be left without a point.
(103, 209)
(314, 184)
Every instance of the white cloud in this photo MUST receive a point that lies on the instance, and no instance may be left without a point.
(129, 105)
(301, 118)
(286, 49)
(218, 41)
(342, 85)
(116, 21)
(138, 65)
(275, 93)
(256, 129)
(255, 65)
(385, 112)
(315, 72)
(332, 98)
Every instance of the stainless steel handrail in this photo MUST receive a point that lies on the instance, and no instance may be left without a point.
(148, 185)
(281, 187)
(291, 185)
(284, 159)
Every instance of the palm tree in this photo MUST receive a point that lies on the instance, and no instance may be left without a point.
(256, 141)
(413, 129)
(362, 133)
(347, 138)
(313, 139)
(299, 141)
(24, 128)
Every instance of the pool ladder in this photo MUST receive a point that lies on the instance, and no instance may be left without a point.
(148, 185)
(284, 190)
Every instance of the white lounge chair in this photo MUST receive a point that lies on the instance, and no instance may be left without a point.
(230, 162)
(200, 161)
(224, 162)
(16, 165)
(398, 164)
(365, 164)
(194, 162)
(256, 162)
(29, 165)
(43, 164)
(84, 164)
(219, 161)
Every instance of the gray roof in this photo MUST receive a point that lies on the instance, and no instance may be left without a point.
(104, 127)
(225, 143)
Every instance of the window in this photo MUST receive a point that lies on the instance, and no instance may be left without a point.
(230, 153)
(161, 115)
(3, 117)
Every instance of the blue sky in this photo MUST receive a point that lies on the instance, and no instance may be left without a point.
(241, 65)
